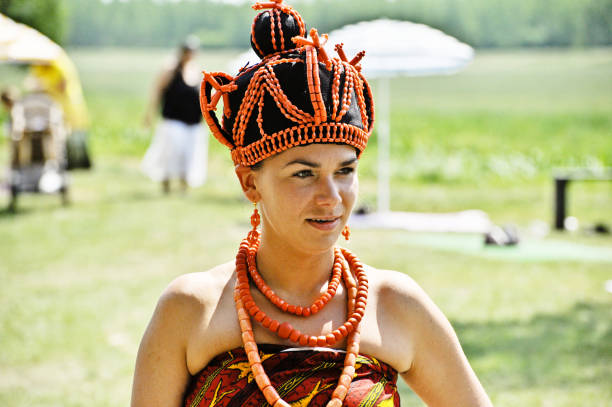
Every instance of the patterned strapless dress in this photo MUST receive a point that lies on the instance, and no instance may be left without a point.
(302, 376)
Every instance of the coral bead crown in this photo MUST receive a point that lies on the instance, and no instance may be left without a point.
(295, 95)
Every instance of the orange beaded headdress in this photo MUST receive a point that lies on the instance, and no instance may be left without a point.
(296, 95)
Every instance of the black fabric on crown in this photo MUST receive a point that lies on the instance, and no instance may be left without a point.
(263, 33)
(293, 79)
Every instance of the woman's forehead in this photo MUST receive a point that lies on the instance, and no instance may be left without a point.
(317, 152)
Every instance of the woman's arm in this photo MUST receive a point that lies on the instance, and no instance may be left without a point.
(161, 374)
(161, 82)
(439, 372)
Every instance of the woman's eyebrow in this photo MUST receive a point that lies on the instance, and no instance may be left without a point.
(307, 163)
(348, 162)
(302, 162)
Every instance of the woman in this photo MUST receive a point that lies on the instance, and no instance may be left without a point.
(294, 320)
(179, 146)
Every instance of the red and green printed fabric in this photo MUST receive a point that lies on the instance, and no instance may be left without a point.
(302, 377)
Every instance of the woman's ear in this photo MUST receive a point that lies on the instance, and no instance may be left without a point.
(246, 176)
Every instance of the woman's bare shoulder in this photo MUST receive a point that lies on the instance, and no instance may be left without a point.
(395, 305)
(407, 309)
(163, 351)
(424, 346)
(394, 286)
(201, 287)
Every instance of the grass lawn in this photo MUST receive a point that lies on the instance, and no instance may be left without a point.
(79, 283)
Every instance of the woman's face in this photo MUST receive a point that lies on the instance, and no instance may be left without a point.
(307, 194)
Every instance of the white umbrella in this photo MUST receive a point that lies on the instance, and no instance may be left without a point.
(398, 48)
(393, 48)
(22, 44)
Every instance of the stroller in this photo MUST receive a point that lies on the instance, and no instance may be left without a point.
(38, 148)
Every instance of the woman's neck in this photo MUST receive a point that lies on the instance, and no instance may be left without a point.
(293, 273)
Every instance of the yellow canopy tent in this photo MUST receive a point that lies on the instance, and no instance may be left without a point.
(49, 63)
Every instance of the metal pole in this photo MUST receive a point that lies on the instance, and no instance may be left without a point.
(560, 202)
(383, 127)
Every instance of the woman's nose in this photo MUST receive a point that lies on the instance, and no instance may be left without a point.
(328, 193)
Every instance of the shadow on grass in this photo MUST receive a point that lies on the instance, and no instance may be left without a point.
(216, 198)
(564, 350)
(212, 197)
(7, 213)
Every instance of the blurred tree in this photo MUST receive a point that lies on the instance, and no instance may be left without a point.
(481, 23)
(47, 16)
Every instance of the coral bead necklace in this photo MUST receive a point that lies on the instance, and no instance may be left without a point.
(345, 264)
(285, 306)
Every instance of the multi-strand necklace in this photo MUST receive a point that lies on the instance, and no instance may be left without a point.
(345, 264)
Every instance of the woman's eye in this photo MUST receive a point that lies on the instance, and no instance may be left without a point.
(346, 170)
(303, 174)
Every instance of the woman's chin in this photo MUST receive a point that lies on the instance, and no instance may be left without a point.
(320, 242)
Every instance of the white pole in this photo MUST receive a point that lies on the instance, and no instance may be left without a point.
(383, 127)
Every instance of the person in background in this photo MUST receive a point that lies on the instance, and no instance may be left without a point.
(8, 98)
(10, 95)
(179, 146)
(59, 79)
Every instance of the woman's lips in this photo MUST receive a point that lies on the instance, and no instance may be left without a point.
(324, 223)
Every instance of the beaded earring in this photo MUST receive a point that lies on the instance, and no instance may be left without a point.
(253, 235)
(346, 232)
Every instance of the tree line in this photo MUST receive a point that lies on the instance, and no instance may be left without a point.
(480, 23)
(48, 16)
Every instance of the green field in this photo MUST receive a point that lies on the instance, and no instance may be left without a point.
(78, 284)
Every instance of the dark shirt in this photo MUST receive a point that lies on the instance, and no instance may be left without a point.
(181, 101)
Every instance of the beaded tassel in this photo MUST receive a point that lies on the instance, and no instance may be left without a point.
(253, 235)
(346, 232)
